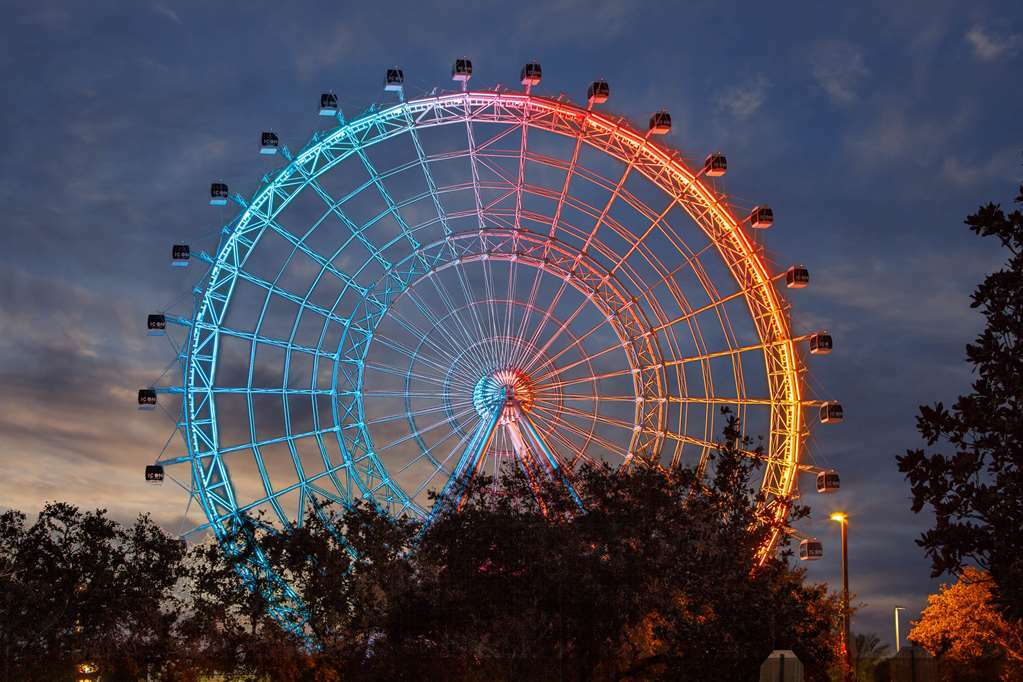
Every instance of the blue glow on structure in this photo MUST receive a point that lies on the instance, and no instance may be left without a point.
(457, 325)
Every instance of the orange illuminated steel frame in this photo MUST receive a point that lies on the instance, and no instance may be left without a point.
(653, 350)
(664, 168)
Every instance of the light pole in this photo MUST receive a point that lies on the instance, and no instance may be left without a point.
(843, 521)
(898, 640)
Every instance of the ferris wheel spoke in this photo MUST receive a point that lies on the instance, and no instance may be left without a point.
(443, 353)
(393, 371)
(437, 395)
(708, 445)
(287, 295)
(522, 172)
(702, 309)
(356, 233)
(378, 182)
(427, 429)
(726, 400)
(427, 454)
(268, 441)
(548, 316)
(424, 164)
(413, 354)
(646, 233)
(509, 310)
(736, 351)
(585, 360)
(438, 322)
(591, 378)
(262, 390)
(530, 305)
(407, 415)
(596, 417)
(587, 437)
(578, 451)
(576, 341)
(253, 337)
(555, 221)
(547, 396)
(459, 445)
(690, 261)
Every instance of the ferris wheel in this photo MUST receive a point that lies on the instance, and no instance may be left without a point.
(449, 283)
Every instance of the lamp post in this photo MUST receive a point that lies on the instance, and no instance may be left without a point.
(843, 521)
(898, 640)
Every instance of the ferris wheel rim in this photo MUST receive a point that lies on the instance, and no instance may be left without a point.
(614, 130)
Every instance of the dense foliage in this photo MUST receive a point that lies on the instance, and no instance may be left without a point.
(78, 586)
(962, 626)
(659, 578)
(976, 490)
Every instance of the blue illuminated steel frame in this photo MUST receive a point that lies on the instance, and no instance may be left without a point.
(644, 334)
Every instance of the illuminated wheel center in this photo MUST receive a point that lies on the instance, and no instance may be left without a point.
(504, 390)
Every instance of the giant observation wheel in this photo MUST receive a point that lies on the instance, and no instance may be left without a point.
(445, 284)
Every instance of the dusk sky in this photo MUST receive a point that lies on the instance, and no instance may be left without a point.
(871, 129)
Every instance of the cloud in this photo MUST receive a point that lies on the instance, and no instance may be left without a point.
(838, 67)
(899, 134)
(166, 11)
(47, 18)
(988, 46)
(562, 18)
(1000, 165)
(745, 99)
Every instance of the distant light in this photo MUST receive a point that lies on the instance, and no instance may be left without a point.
(841, 517)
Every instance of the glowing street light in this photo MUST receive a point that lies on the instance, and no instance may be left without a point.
(898, 640)
(842, 520)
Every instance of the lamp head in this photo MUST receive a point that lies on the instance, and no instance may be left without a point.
(840, 517)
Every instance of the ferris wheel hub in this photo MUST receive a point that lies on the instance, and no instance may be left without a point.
(504, 389)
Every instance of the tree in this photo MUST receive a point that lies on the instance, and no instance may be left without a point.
(77, 586)
(867, 652)
(975, 491)
(962, 625)
(659, 578)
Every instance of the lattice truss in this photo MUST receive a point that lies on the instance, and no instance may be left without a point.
(443, 285)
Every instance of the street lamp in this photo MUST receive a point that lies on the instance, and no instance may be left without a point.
(842, 520)
(898, 640)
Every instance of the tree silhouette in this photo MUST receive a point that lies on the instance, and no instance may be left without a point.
(867, 652)
(976, 490)
(77, 586)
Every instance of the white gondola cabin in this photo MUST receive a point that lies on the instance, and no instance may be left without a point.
(156, 324)
(218, 194)
(820, 343)
(531, 74)
(180, 255)
(761, 217)
(715, 165)
(269, 143)
(394, 80)
(831, 412)
(828, 481)
(154, 474)
(147, 399)
(461, 70)
(810, 549)
(598, 92)
(660, 123)
(797, 277)
(328, 104)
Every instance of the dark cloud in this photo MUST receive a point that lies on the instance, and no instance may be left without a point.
(871, 132)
